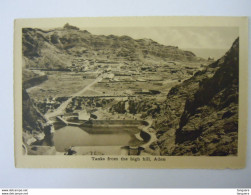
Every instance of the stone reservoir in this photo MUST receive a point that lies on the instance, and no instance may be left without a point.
(99, 136)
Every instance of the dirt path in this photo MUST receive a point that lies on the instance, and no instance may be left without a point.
(63, 106)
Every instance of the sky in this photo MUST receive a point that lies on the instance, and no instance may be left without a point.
(183, 37)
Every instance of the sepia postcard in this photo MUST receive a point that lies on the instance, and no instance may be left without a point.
(131, 92)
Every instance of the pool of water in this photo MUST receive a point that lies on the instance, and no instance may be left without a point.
(74, 136)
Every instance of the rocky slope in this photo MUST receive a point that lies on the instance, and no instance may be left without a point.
(34, 123)
(144, 106)
(32, 119)
(57, 47)
(200, 116)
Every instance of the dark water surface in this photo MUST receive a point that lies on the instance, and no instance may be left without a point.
(68, 136)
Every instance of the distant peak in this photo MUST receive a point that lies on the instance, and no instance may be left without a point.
(68, 26)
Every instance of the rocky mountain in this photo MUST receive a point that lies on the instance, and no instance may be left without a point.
(57, 47)
(200, 116)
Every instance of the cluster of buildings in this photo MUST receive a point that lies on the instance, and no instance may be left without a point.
(81, 65)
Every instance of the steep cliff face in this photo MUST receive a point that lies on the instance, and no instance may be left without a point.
(200, 116)
(55, 48)
(32, 119)
(34, 124)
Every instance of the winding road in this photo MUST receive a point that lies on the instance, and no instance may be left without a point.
(153, 135)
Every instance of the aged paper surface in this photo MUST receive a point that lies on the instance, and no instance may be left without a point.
(131, 92)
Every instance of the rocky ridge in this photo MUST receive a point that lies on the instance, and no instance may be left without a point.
(200, 116)
(55, 48)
